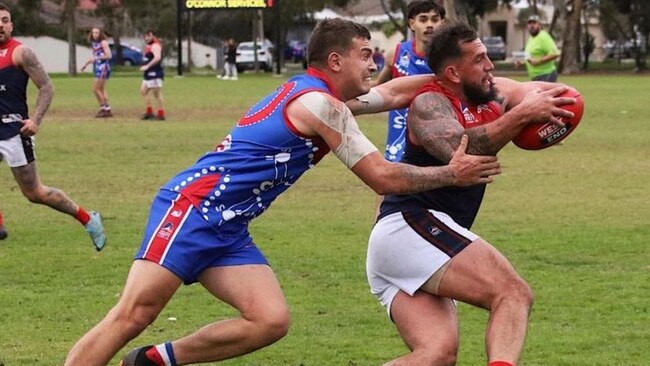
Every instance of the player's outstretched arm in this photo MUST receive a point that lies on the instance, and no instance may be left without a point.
(319, 114)
(385, 177)
(394, 94)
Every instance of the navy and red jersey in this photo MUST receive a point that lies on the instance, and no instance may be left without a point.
(155, 71)
(461, 203)
(406, 61)
(261, 157)
(13, 92)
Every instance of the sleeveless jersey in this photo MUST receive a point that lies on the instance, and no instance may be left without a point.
(461, 203)
(100, 66)
(156, 71)
(13, 92)
(406, 61)
(261, 157)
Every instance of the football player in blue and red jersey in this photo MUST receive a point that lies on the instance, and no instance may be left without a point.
(101, 61)
(19, 64)
(198, 223)
(409, 58)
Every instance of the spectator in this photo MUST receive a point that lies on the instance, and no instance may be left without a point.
(378, 58)
(231, 60)
(541, 52)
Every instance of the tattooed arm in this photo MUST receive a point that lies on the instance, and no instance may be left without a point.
(432, 122)
(319, 114)
(27, 60)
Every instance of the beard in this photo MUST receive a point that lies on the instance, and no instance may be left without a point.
(476, 95)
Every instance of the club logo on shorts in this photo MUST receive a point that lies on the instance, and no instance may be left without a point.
(166, 231)
(434, 230)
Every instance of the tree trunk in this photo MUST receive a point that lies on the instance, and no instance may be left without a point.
(571, 40)
(70, 19)
(450, 9)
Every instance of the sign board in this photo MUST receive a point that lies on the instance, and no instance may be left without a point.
(227, 4)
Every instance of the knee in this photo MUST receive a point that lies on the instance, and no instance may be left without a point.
(518, 291)
(276, 324)
(273, 324)
(133, 321)
(437, 357)
(34, 195)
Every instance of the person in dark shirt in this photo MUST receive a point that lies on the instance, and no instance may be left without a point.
(18, 65)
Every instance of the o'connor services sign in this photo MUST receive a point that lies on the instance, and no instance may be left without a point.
(227, 4)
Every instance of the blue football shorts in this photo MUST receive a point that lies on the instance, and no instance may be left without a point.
(178, 238)
(102, 71)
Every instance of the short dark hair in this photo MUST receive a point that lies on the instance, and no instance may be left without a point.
(445, 44)
(424, 6)
(333, 35)
(5, 7)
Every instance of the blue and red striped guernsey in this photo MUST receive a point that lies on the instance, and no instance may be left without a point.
(261, 157)
(13, 92)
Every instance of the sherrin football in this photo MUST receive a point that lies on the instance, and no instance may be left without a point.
(537, 136)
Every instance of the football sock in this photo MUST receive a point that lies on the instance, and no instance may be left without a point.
(149, 110)
(500, 363)
(162, 354)
(82, 216)
(161, 113)
(2, 219)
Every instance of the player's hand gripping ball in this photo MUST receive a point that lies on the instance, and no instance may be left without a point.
(537, 136)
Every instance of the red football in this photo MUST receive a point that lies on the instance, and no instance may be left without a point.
(539, 136)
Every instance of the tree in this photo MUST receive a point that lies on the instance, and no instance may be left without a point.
(629, 20)
(571, 39)
(69, 17)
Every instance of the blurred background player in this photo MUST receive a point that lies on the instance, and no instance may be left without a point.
(101, 68)
(409, 58)
(17, 66)
(153, 77)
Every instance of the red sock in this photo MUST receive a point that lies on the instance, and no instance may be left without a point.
(500, 363)
(161, 113)
(2, 219)
(153, 355)
(82, 216)
(149, 110)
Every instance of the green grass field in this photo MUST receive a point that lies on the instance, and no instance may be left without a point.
(573, 219)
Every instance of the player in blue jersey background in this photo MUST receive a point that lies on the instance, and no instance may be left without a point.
(100, 60)
(409, 58)
(198, 222)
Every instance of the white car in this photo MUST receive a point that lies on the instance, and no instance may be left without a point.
(246, 58)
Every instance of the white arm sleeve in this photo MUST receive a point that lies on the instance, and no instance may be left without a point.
(354, 144)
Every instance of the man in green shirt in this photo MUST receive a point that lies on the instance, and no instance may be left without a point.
(541, 52)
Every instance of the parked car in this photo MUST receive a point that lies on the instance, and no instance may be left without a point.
(496, 48)
(131, 55)
(618, 49)
(295, 51)
(246, 57)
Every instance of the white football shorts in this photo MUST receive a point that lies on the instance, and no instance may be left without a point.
(406, 248)
(152, 83)
(17, 151)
